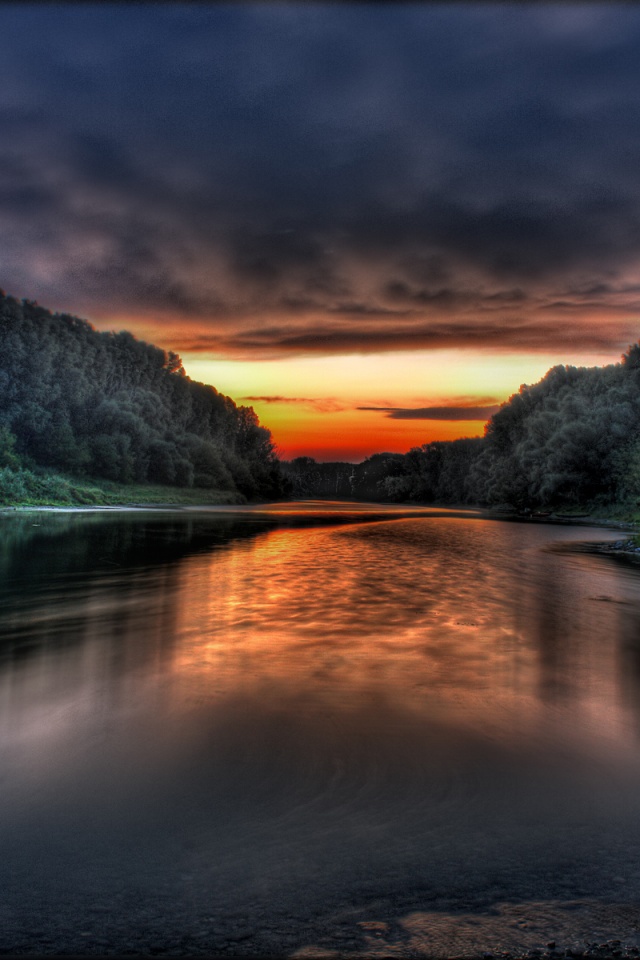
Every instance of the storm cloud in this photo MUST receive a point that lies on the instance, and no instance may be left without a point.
(282, 179)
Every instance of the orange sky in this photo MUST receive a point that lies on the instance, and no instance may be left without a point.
(310, 404)
(315, 393)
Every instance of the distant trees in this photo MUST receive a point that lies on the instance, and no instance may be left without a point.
(435, 471)
(109, 405)
(331, 481)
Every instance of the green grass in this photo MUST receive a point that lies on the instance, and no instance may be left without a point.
(26, 488)
(621, 512)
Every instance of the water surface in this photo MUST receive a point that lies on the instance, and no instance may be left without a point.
(315, 727)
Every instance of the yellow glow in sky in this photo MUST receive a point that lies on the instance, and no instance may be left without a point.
(317, 415)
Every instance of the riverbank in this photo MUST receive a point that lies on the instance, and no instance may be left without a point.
(26, 489)
(628, 548)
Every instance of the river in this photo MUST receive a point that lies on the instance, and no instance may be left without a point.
(315, 729)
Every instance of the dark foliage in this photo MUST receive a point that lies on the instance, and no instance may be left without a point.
(109, 405)
(435, 472)
(573, 438)
(339, 480)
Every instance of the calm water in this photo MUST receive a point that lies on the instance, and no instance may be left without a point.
(315, 728)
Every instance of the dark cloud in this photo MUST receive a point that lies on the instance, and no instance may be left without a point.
(313, 340)
(385, 177)
(276, 399)
(437, 413)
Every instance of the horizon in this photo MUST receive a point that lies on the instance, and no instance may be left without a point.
(447, 414)
(371, 224)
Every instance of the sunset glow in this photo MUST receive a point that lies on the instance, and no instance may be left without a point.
(311, 405)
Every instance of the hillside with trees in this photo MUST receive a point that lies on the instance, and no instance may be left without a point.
(573, 439)
(108, 406)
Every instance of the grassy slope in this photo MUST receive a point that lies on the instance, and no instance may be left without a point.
(24, 488)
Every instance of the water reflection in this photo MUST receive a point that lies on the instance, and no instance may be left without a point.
(220, 732)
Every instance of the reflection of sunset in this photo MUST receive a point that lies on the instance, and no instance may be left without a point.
(226, 714)
(316, 612)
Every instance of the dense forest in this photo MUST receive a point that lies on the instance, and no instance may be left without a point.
(573, 439)
(106, 405)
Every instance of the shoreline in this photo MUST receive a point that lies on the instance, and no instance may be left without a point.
(491, 513)
(627, 549)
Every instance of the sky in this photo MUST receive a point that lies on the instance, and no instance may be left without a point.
(372, 223)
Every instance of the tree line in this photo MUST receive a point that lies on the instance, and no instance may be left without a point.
(571, 439)
(107, 405)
